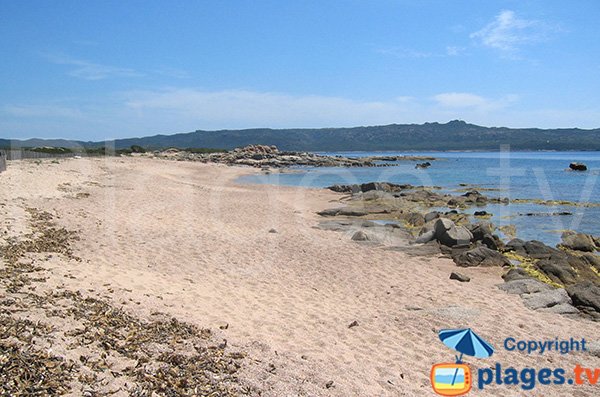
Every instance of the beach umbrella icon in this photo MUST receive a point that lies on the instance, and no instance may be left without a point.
(465, 341)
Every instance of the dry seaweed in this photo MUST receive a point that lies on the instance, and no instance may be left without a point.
(167, 357)
(28, 372)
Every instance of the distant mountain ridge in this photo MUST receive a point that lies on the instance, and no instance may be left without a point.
(454, 135)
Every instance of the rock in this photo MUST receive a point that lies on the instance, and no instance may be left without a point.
(447, 233)
(517, 245)
(539, 250)
(342, 188)
(383, 186)
(353, 324)
(516, 273)
(524, 286)
(360, 236)
(481, 213)
(544, 299)
(426, 164)
(561, 308)
(585, 295)
(351, 212)
(425, 237)
(481, 256)
(592, 260)
(480, 229)
(578, 167)
(493, 242)
(272, 231)
(431, 248)
(329, 212)
(559, 271)
(578, 242)
(376, 195)
(594, 348)
(460, 277)
(432, 215)
(415, 219)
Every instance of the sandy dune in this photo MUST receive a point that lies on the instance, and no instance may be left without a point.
(185, 239)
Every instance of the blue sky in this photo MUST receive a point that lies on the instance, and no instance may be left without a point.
(105, 69)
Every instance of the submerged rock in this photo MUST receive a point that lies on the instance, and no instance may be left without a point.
(578, 167)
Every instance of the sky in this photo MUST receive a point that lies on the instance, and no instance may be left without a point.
(95, 70)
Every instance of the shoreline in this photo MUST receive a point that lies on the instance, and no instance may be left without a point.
(185, 239)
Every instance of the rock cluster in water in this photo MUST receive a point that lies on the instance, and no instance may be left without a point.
(263, 156)
(563, 280)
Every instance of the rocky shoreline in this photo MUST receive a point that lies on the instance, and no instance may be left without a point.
(563, 280)
(263, 156)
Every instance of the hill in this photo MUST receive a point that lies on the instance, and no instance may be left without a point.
(454, 135)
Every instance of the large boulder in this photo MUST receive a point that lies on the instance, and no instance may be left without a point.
(538, 250)
(524, 286)
(570, 269)
(493, 242)
(480, 229)
(481, 256)
(432, 215)
(447, 233)
(592, 260)
(585, 295)
(515, 273)
(578, 242)
(546, 299)
(559, 271)
(516, 245)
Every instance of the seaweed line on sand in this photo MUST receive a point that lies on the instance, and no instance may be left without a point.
(108, 350)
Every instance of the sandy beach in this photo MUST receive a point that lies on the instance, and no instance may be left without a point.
(247, 262)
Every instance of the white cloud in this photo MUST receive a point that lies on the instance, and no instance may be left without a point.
(507, 32)
(168, 111)
(454, 50)
(464, 100)
(40, 111)
(459, 100)
(242, 108)
(87, 70)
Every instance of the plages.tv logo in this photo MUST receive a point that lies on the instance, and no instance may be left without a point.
(455, 378)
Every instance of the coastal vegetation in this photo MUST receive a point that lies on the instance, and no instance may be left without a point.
(454, 135)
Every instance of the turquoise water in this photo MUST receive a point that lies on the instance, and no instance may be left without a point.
(526, 175)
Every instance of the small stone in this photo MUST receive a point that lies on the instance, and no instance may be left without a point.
(353, 324)
(272, 231)
(329, 384)
(360, 236)
(460, 277)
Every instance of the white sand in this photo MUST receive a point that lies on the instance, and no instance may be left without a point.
(185, 239)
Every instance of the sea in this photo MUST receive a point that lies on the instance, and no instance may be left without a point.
(514, 174)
